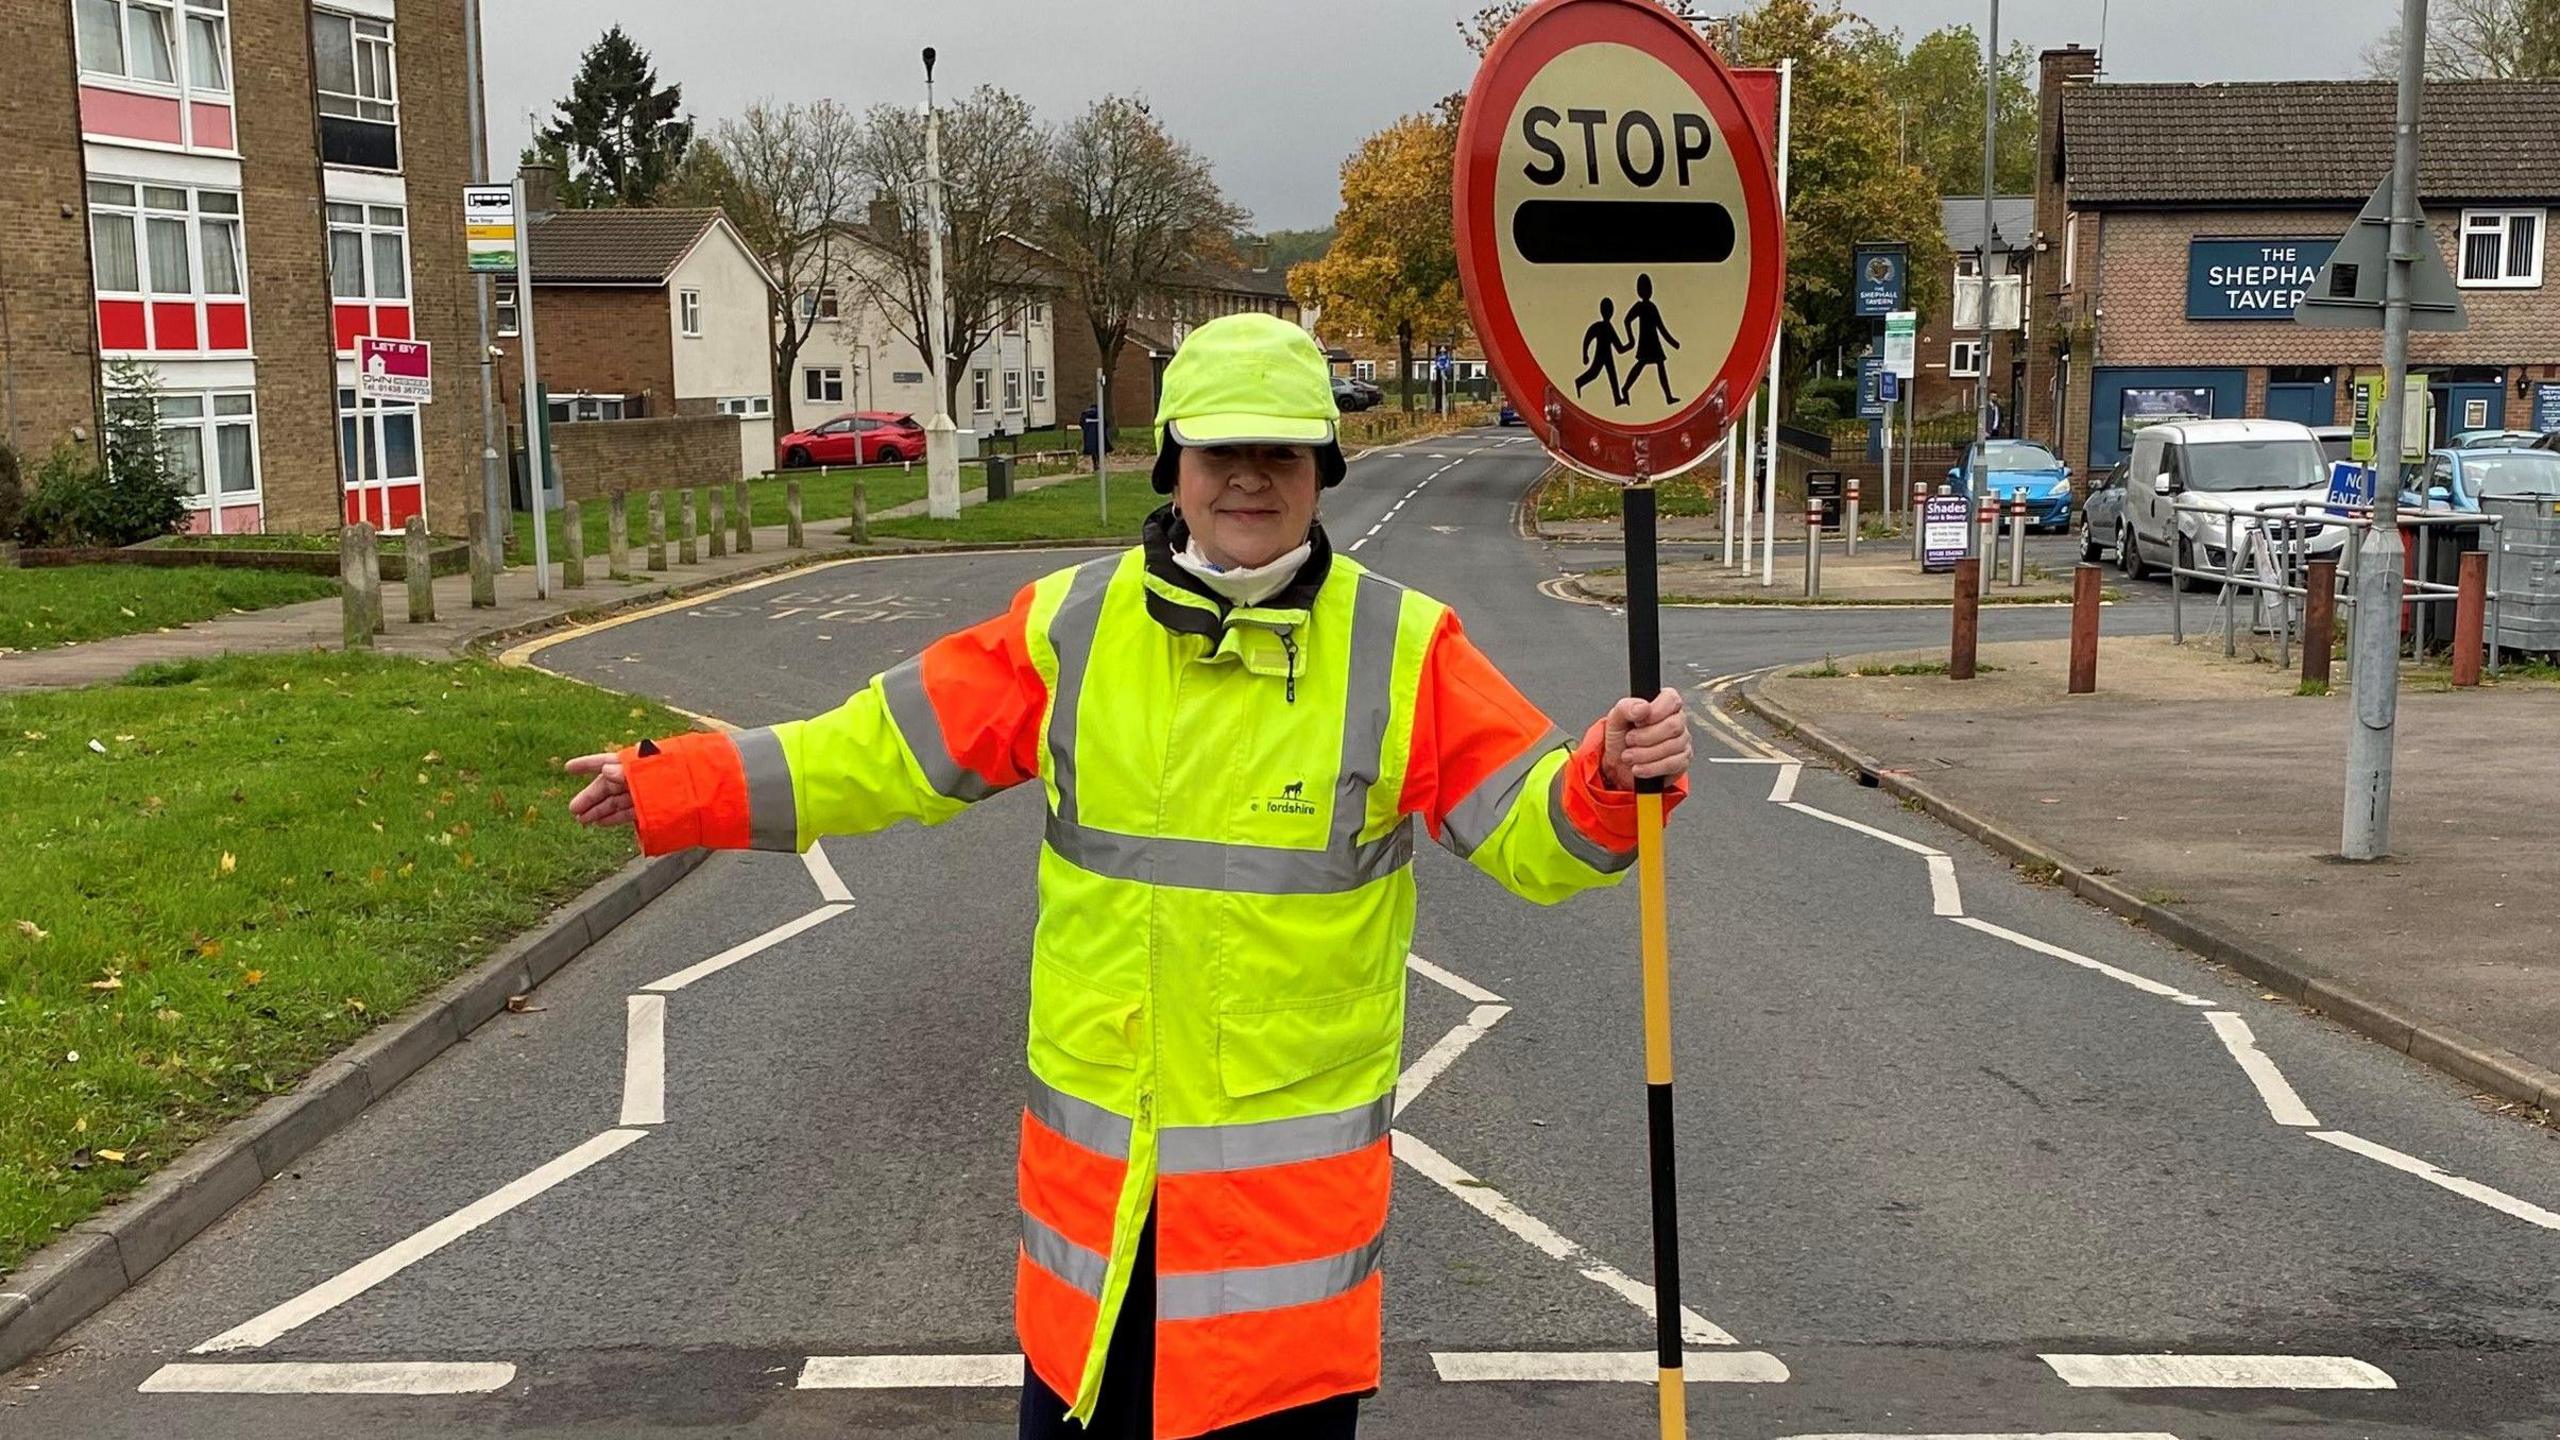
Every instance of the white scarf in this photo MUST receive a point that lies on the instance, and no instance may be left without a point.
(1241, 586)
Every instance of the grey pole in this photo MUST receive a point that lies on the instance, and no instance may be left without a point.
(1102, 442)
(537, 473)
(2365, 832)
(1990, 142)
(493, 495)
(941, 433)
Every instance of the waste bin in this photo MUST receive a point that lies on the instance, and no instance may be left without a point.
(1826, 488)
(1092, 423)
(2526, 572)
(999, 477)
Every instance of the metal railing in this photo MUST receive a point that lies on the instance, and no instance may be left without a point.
(2279, 541)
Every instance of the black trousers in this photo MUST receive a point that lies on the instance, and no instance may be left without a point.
(1127, 1408)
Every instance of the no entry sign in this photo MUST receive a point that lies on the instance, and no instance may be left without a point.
(1619, 234)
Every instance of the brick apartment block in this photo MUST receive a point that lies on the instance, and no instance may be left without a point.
(229, 194)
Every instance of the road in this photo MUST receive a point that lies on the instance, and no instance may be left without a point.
(1941, 1129)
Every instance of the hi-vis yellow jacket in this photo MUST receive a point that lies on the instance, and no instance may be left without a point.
(1226, 905)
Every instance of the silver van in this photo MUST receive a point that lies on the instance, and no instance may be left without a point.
(2215, 468)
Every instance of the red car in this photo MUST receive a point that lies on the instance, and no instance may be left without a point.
(863, 438)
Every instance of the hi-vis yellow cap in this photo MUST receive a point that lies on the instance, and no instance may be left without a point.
(1247, 380)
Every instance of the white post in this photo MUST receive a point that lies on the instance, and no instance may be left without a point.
(1750, 470)
(537, 474)
(941, 434)
(1726, 509)
(493, 489)
(1769, 512)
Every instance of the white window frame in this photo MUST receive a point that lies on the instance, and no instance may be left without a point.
(1956, 351)
(193, 216)
(1039, 312)
(1012, 392)
(376, 416)
(1365, 370)
(2499, 225)
(374, 44)
(212, 489)
(822, 384)
(1039, 385)
(747, 406)
(2070, 250)
(503, 314)
(689, 313)
(367, 223)
(981, 382)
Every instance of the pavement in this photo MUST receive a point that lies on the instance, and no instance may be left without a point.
(2209, 787)
(1881, 573)
(1959, 1153)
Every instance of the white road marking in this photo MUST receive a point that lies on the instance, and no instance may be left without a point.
(735, 953)
(379, 1378)
(1743, 760)
(644, 1062)
(831, 886)
(1871, 832)
(347, 1284)
(1363, 540)
(911, 1372)
(2217, 1372)
(2142, 983)
(1727, 1367)
(1450, 980)
(2283, 1105)
(1944, 897)
(1418, 1076)
(1696, 1329)
(1789, 771)
(2497, 1200)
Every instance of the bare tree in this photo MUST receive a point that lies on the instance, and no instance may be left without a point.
(2481, 40)
(784, 175)
(994, 174)
(1129, 207)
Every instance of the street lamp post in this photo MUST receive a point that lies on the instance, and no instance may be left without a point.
(941, 436)
(1981, 472)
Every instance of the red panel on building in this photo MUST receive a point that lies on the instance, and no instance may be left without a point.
(121, 326)
(212, 126)
(173, 326)
(406, 500)
(226, 326)
(352, 321)
(391, 322)
(123, 115)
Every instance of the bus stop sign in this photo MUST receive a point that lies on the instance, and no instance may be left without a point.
(1619, 234)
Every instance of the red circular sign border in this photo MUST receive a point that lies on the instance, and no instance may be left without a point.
(1589, 442)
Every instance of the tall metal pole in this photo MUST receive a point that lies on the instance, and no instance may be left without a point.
(493, 496)
(941, 436)
(1769, 509)
(1102, 444)
(2365, 833)
(1981, 472)
(537, 475)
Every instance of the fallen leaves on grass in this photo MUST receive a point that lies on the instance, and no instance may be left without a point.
(229, 862)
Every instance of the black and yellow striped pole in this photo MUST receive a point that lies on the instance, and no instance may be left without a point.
(1644, 667)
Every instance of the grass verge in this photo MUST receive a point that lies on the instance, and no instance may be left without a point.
(67, 604)
(824, 495)
(1831, 669)
(1068, 510)
(239, 866)
(1566, 496)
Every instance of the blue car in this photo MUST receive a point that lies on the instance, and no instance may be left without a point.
(2021, 466)
(2457, 478)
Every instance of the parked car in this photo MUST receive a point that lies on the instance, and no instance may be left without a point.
(2338, 442)
(1511, 413)
(2021, 466)
(2456, 479)
(1351, 393)
(865, 437)
(2218, 467)
(2495, 439)
(2102, 516)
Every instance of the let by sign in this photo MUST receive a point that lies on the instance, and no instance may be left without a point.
(2251, 279)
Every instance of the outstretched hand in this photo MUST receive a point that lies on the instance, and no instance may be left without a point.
(1645, 739)
(607, 799)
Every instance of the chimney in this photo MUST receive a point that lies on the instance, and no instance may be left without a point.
(541, 189)
(884, 216)
(2069, 65)
(1261, 257)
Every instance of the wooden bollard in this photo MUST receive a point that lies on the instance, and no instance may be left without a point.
(2319, 620)
(419, 561)
(860, 529)
(617, 536)
(688, 529)
(360, 585)
(746, 508)
(573, 558)
(657, 530)
(793, 536)
(719, 528)
(2470, 616)
(1968, 631)
(2087, 584)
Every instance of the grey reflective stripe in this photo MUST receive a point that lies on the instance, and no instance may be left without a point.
(1244, 869)
(1377, 612)
(773, 812)
(913, 712)
(1081, 1121)
(1267, 1287)
(1071, 633)
(1471, 821)
(1198, 1149)
(1063, 1257)
(1580, 846)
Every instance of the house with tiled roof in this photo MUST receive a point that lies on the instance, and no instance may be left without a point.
(644, 314)
(2176, 227)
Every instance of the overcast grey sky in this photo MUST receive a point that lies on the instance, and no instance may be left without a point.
(1274, 92)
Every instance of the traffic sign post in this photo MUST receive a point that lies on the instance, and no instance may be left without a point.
(1623, 250)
